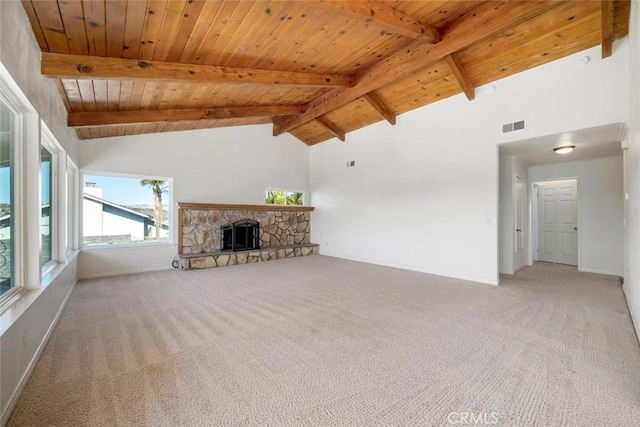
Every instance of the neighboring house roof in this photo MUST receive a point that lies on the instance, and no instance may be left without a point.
(5, 220)
(117, 209)
(110, 206)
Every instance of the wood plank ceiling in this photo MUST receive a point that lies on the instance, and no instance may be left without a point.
(316, 69)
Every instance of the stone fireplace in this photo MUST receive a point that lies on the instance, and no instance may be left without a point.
(262, 233)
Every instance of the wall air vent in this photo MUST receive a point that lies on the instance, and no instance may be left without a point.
(510, 127)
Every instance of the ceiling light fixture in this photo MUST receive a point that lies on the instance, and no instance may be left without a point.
(564, 149)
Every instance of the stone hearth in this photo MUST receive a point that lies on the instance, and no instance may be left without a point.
(284, 233)
(223, 259)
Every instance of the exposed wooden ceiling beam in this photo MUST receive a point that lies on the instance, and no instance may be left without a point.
(385, 17)
(382, 108)
(119, 118)
(458, 71)
(607, 28)
(63, 66)
(331, 127)
(482, 22)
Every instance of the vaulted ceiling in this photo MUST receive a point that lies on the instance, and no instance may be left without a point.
(315, 69)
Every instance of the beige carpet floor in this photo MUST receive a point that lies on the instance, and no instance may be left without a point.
(329, 342)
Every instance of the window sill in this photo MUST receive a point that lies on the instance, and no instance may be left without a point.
(19, 303)
(10, 297)
(126, 246)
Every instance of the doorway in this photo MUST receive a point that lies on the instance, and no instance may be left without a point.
(519, 215)
(556, 221)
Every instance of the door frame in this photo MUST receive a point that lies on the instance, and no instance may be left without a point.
(533, 225)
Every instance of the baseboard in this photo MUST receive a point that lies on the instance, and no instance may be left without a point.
(634, 319)
(595, 271)
(513, 271)
(34, 360)
(125, 272)
(517, 270)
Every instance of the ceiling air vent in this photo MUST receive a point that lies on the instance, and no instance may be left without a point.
(510, 127)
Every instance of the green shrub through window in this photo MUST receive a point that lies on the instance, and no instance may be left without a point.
(282, 197)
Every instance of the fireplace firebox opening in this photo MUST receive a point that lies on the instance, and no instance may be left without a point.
(241, 236)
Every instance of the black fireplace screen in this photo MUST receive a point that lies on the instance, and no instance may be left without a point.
(241, 235)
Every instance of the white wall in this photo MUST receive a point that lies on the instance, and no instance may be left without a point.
(30, 320)
(511, 260)
(600, 211)
(632, 175)
(423, 195)
(226, 165)
(20, 54)
(25, 326)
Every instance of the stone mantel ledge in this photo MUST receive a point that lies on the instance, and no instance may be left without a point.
(183, 205)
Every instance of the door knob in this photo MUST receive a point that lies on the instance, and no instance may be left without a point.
(517, 229)
(575, 228)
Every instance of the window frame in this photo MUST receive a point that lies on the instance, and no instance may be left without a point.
(16, 106)
(56, 206)
(72, 220)
(108, 246)
(53, 215)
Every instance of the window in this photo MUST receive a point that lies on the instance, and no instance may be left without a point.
(46, 206)
(53, 209)
(33, 190)
(7, 228)
(15, 118)
(71, 239)
(283, 197)
(123, 210)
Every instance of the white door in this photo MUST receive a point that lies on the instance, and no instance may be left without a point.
(558, 221)
(519, 213)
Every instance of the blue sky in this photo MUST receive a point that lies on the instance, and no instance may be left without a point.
(4, 183)
(123, 191)
(45, 182)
